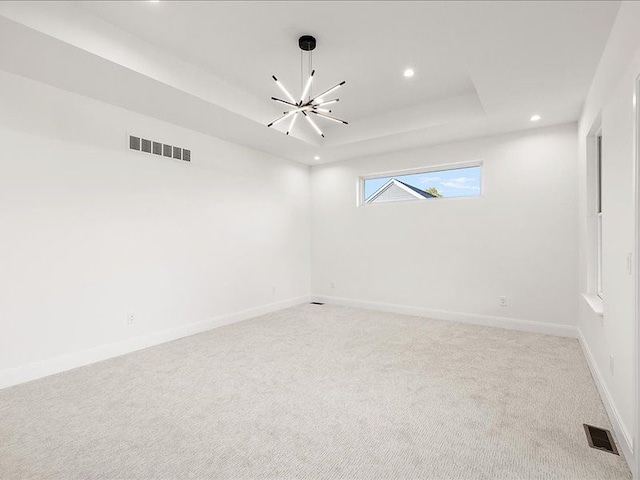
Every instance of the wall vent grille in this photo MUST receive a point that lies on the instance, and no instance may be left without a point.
(600, 439)
(145, 145)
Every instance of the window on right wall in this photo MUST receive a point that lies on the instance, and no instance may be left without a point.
(598, 203)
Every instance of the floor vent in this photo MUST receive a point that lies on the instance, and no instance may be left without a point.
(600, 439)
(315, 303)
(156, 148)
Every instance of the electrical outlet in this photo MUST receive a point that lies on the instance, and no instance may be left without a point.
(333, 284)
(131, 318)
(503, 301)
(611, 365)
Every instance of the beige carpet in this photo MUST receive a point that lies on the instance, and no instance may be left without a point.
(316, 392)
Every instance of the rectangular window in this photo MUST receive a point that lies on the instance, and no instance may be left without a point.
(439, 182)
(599, 213)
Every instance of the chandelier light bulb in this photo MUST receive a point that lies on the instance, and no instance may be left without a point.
(329, 117)
(286, 115)
(284, 90)
(332, 89)
(313, 124)
(323, 104)
(307, 87)
(293, 122)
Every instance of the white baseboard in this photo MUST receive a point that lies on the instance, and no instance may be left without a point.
(33, 371)
(625, 441)
(473, 318)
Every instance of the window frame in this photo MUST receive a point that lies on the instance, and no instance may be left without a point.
(598, 212)
(360, 190)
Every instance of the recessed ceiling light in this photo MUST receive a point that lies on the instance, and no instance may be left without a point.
(408, 72)
(316, 157)
(535, 118)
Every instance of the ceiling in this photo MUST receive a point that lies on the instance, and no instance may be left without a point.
(480, 67)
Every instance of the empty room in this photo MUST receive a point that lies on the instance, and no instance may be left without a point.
(319, 240)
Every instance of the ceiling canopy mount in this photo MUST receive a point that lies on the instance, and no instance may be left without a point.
(307, 43)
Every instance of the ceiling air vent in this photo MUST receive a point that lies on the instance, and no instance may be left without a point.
(315, 303)
(600, 439)
(157, 148)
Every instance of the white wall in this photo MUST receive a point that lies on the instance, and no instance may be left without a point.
(92, 232)
(611, 100)
(458, 255)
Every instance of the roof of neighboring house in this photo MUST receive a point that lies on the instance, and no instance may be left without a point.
(413, 191)
(417, 190)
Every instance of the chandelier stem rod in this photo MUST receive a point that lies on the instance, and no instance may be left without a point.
(310, 70)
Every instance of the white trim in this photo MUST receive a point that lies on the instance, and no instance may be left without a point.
(33, 371)
(432, 200)
(623, 438)
(599, 216)
(636, 272)
(473, 318)
(595, 302)
(434, 168)
(591, 203)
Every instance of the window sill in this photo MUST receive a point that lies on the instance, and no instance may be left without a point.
(595, 302)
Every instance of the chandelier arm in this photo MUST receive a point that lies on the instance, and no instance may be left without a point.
(328, 102)
(307, 86)
(313, 124)
(299, 109)
(293, 121)
(329, 117)
(286, 92)
(329, 91)
(286, 115)
(284, 102)
(311, 67)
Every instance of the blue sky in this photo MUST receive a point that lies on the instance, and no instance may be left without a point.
(461, 182)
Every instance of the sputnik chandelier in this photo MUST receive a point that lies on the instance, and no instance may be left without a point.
(308, 105)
